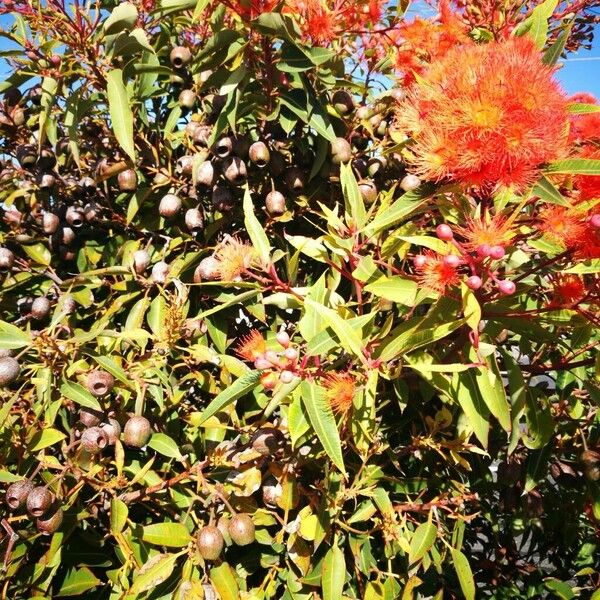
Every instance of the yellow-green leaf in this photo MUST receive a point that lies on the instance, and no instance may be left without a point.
(120, 112)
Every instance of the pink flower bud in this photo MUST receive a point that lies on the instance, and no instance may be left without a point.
(272, 357)
(291, 354)
(595, 220)
(444, 232)
(497, 252)
(419, 261)
(261, 363)
(474, 282)
(451, 260)
(286, 377)
(484, 250)
(283, 338)
(506, 287)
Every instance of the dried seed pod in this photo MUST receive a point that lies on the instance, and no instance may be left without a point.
(267, 441)
(137, 432)
(275, 203)
(341, 151)
(223, 199)
(16, 494)
(50, 223)
(206, 174)
(368, 191)
(50, 523)
(9, 370)
(234, 170)
(185, 165)
(94, 440)
(74, 216)
(7, 259)
(112, 429)
(271, 491)
(169, 206)
(141, 260)
(100, 383)
(223, 147)
(259, 154)
(591, 465)
(46, 181)
(210, 542)
(127, 180)
(160, 272)
(187, 99)
(180, 56)
(194, 220)
(67, 236)
(68, 304)
(207, 270)
(294, 179)
(201, 135)
(40, 308)
(46, 159)
(90, 417)
(39, 501)
(241, 529)
(410, 183)
(342, 102)
(27, 156)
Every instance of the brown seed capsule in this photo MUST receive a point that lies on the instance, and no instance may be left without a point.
(368, 191)
(241, 529)
(16, 494)
(267, 441)
(46, 159)
(206, 174)
(12, 96)
(223, 199)
(112, 429)
(50, 523)
(275, 203)
(141, 260)
(40, 308)
(201, 135)
(137, 432)
(194, 220)
(27, 156)
(18, 116)
(127, 181)
(68, 304)
(294, 179)
(162, 178)
(187, 98)
(90, 417)
(271, 491)
(9, 370)
(591, 465)
(67, 236)
(94, 439)
(185, 165)
(223, 147)
(410, 183)
(46, 181)
(210, 542)
(180, 56)
(39, 501)
(376, 166)
(342, 102)
(169, 206)
(74, 216)
(234, 170)
(7, 259)
(259, 154)
(100, 383)
(160, 272)
(207, 270)
(341, 151)
(50, 223)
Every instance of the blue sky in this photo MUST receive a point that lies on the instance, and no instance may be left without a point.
(579, 73)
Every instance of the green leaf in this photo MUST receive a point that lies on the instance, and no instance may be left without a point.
(464, 573)
(120, 112)
(164, 445)
(156, 316)
(574, 166)
(173, 535)
(78, 581)
(38, 253)
(257, 234)
(355, 206)
(323, 422)
(278, 25)
(395, 289)
(49, 88)
(123, 16)
(333, 574)
(578, 108)
(547, 191)
(224, 582)
(490, 387)
(471, 308)
(349, 338)
(109, 364)
(242, 386)
(156, 570)
(421, 542)
(45, 438)
(118, 515)
(11, 337)
(464, 390)
(78, 394)
(553, 53)
(536, 25)
(561, 589)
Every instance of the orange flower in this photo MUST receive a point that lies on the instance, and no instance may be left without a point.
(562, 225)
(252, 346)
(568, 290)
(234, 258)
(436, 273)
(588, 185)
(339, 391)
(485, 231)
(588, 246)
(474, 122)
(251, 9)
(584, 127)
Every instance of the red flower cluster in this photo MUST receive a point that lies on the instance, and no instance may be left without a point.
(572, 229)
(474, 122)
